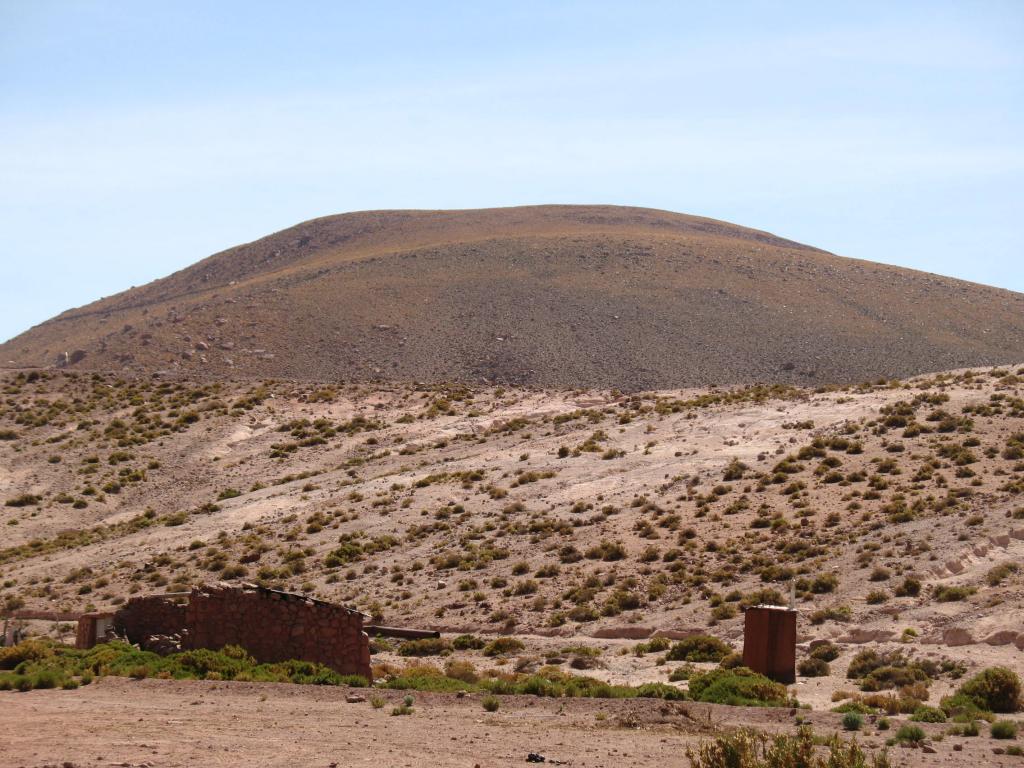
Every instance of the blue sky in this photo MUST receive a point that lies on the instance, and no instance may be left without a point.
(139, 137)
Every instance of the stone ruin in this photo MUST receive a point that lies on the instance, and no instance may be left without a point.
(271, 625)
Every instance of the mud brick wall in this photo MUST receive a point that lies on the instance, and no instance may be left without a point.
(273, 626)
(89, 629)
(144, 616)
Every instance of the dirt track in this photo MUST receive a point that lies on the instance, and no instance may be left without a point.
(121, 722)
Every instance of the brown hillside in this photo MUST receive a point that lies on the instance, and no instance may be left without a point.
(892, 512)
(555, 296)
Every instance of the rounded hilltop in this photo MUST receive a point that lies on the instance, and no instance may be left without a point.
(554, 296)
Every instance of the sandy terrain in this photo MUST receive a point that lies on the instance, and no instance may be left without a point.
(195, 723)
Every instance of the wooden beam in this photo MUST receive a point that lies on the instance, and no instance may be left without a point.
(401, 632)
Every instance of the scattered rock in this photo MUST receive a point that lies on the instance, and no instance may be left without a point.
(859, 635)
(1003, 637)
(957, 636)
(622, 633)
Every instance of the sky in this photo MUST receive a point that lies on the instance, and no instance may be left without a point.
(139, 137)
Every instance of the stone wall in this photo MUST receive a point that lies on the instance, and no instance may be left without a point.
(276, 626)
(144, 616)
(272, 626)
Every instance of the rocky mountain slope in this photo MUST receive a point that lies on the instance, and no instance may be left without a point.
(885, 507)
(554, 296)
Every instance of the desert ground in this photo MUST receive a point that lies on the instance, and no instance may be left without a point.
(121, 722)
(581, 522)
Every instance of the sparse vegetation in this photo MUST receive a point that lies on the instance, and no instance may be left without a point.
(996, 689)
(755, 749)
(45, 664)
(393, 513)
(1003, 729)
(738, 687)
(699, 648)
(853, 721)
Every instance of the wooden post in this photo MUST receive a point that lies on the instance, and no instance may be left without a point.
(769, 642)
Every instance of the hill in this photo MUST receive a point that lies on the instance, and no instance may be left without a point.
(552, 296)
(892, 510)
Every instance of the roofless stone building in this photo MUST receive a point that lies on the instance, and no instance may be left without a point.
(271, 625)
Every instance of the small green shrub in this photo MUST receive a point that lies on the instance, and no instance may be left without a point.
(967, 729)
(926, 714)
(996, 689)
(699, 648)
(952, 594)
(841, 613)
(428, 646)
(502, 646)
(910, 734)
(853, 721)
(813, 668)
(738, 687)
(45, 679)
(461, 670)
(1000, 573)
(683, 672)
(731, 661)
(654, 645)
(24, 500)
(1003, 729)
(910, 587)
(825, 652)
(467, 643)
(490, 703)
